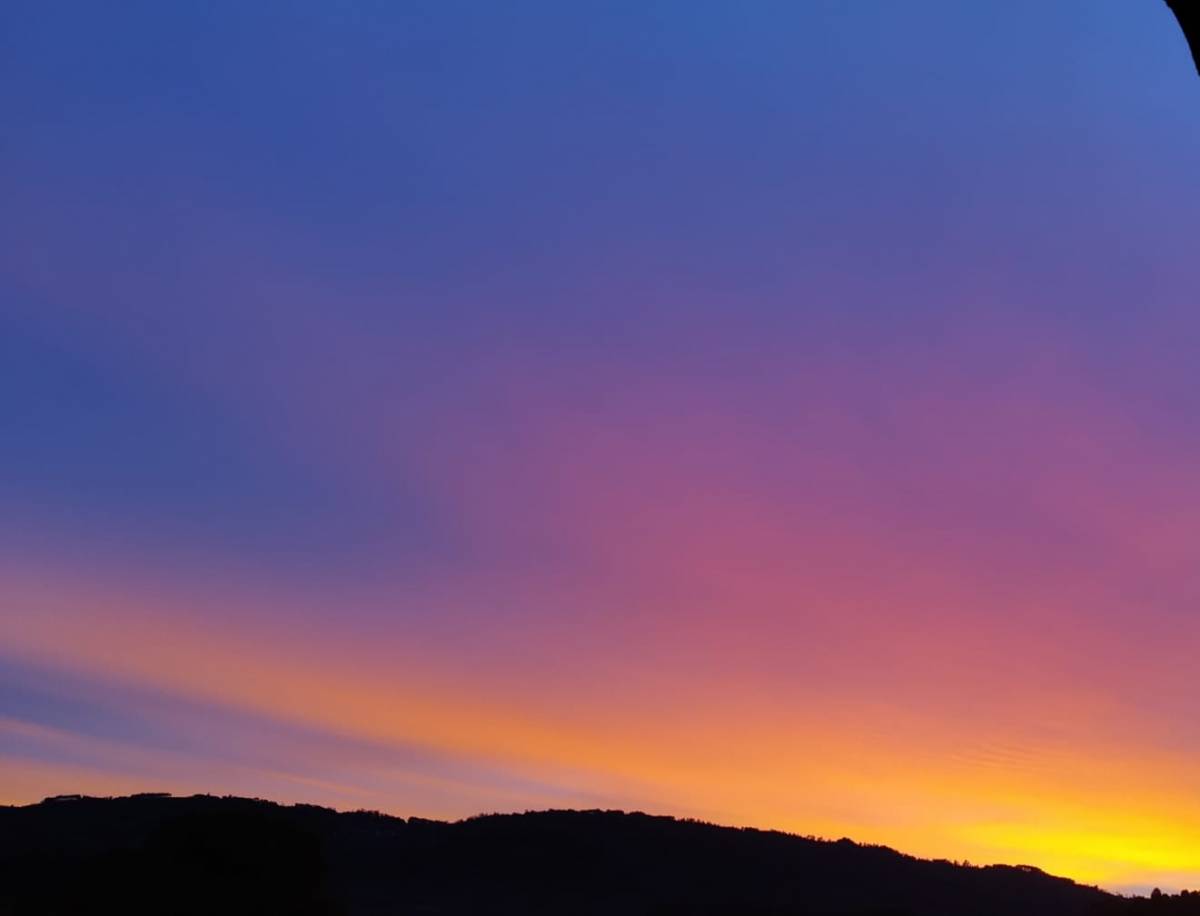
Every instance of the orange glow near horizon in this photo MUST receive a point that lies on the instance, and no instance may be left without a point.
(779, 414)
(1031, 778)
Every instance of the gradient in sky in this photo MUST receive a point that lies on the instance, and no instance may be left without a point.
(776, 413)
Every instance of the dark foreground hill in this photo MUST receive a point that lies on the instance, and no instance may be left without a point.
(208, 855)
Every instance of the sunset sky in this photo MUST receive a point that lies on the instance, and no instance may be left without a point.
(778, 413)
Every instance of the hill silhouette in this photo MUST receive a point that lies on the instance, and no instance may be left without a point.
(204, 854)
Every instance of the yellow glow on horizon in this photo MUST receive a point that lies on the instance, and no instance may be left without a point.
(926, 782)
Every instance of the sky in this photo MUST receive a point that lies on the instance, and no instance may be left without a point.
(776, 413)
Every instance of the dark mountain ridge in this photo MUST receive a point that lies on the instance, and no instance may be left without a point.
(204, 854)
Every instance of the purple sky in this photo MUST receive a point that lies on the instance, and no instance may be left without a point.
(777, 413)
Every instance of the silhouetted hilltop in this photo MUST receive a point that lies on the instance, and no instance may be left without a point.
(203, 854)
